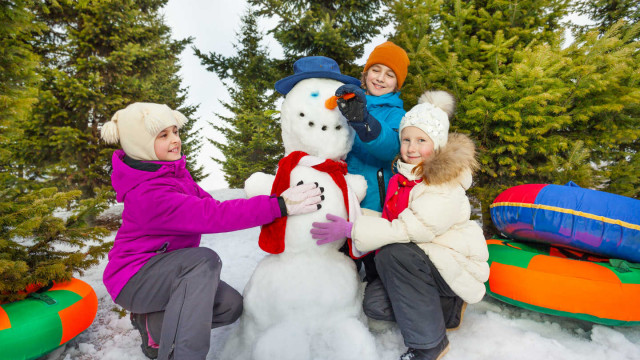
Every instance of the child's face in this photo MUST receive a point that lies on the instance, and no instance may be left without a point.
(168, 145)
(415, 145)
(380, 80)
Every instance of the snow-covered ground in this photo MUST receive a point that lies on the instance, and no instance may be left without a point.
(491, 329)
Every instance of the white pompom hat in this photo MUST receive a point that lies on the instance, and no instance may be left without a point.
(137, 126)
(431, 115)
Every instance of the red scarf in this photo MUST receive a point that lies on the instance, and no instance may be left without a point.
(337, 170)
(397, 196)
(272, 235)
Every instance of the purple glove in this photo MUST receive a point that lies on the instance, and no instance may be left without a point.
(336, 229)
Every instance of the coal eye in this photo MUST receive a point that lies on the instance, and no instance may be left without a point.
(311, 123)
(324, 128)
(301, 114)
(338, 127)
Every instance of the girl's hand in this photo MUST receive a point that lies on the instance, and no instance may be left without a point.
(336, 229)
(302, 198)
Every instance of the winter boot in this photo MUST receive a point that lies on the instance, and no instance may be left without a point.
(435, 353)
(149, 347)
(454, 322)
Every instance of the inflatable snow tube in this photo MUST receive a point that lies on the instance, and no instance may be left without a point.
(588, 220)
(42, 322)
(550, 280)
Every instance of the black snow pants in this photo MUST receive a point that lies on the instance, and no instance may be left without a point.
(411, 292)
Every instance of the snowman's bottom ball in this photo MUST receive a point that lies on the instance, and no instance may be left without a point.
(302, 286)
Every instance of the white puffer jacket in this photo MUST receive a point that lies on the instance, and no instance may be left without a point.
(437, 219)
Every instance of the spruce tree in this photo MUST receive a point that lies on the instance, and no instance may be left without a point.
(451, 42)
(538, 113)
(97, 57)
(605, 104)
(18, 81)
(336, 29)
(252, 132)
(606, 13)
(41, 243)
(38, 243)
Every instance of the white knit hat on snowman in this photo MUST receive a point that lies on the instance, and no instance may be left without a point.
(138, 125)
(431, 115)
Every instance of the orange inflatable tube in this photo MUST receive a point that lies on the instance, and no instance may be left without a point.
(554, 281)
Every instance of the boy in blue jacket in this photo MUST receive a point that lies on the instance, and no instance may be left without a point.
(375, 114)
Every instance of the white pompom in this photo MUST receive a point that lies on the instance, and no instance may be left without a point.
(440, 99)
(109, 132)
(180, 119)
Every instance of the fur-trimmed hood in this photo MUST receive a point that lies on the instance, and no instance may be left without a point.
(454, 161)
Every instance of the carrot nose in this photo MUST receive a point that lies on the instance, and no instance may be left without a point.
(332, 102)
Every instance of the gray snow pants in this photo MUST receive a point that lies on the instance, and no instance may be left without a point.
(184, 298)
(412, 293)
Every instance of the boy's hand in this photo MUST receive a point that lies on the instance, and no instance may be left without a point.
(355, 108)
(303, 198)
(355, 111)
(336, 229)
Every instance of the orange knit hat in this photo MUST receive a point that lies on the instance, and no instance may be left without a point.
(391, 55)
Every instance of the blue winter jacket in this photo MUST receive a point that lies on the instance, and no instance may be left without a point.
(367, 158)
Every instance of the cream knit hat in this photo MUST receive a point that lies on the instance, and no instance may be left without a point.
(137, 126)
(431, 115)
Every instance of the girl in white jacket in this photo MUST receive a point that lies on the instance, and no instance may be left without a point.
(432, 258)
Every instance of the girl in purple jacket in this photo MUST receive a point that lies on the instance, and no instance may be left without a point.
(156, 269)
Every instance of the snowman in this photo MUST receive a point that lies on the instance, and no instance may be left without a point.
(304, 301)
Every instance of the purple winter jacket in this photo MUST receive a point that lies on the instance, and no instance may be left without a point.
(165, 210)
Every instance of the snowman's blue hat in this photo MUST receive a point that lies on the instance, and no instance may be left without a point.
(313, 67)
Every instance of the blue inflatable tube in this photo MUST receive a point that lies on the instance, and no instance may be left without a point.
(593, 221)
